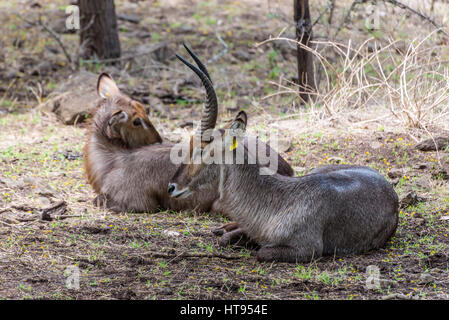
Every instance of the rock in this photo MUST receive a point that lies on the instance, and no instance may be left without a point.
(49, 213)
(52, 49)
(430, 145)
(417, 215)
(166, 291)
(286, 48)
(436, 271)
(398, 296)
(232, 109)
(171, 233)
(242, 55)
(420, 221)
(35, 5)
(43, 68)
(395, 173)
(129, 18)
(376, 145)
(372, 47)
(13, 184)
(186, 123)
(394, 181)
(426, 278)
(162, 53)
(186, 29)
(45, 202)
(284, 145)
(45, 191)
(68, 155)
(31, 181)
(335, 160)
(420, 166)
(60, 26)
(143, 34)
(11, 74)
(411, 199)
(76, 99)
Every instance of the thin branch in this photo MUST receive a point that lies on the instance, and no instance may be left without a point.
(129, 57)
(355, 3)
(57, 38)
(221, 53)
(52, 33)
(331, 12)
(419, 14)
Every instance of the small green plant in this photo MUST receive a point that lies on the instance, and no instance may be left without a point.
(304, 273)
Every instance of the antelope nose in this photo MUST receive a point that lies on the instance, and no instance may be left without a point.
(171, 188)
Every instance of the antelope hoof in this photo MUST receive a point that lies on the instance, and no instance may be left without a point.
(99, 201)
(218, 232)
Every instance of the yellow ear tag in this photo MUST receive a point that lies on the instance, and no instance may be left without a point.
(106, 95)
(234, 144)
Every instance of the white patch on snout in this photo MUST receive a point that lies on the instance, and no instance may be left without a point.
(122, 117)
(181, 194)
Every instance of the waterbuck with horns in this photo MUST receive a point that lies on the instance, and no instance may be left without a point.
(126, 161)
(339, 209)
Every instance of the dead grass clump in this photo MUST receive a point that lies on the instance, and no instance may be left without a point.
(405, 82)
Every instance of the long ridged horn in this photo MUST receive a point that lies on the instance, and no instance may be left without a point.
(210, 109)
(198, 62)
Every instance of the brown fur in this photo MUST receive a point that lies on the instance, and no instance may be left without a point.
(115, 135)
(128, 168)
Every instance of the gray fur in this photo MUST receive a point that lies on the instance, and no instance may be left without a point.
(333, 210)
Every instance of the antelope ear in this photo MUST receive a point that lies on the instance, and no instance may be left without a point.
(106, 86)
(236, 130)
(240, 121)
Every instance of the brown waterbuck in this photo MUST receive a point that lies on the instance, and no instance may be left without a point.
(339, 209)
(127, 163)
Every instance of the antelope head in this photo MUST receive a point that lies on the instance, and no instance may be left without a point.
(127, 120)
(201, 171)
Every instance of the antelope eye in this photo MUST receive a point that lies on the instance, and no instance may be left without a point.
(137, 122)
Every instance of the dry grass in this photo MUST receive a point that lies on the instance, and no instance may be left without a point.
(377, 98)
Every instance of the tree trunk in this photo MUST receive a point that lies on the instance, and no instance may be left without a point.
(99, 35)
(306, 79)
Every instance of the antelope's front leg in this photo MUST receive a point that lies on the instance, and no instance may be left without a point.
(289, 254)
(237, 237)
(225, 228)
(102, 201)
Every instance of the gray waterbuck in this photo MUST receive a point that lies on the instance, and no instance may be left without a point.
(340, 209)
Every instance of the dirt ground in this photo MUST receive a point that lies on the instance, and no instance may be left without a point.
(173, 255)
